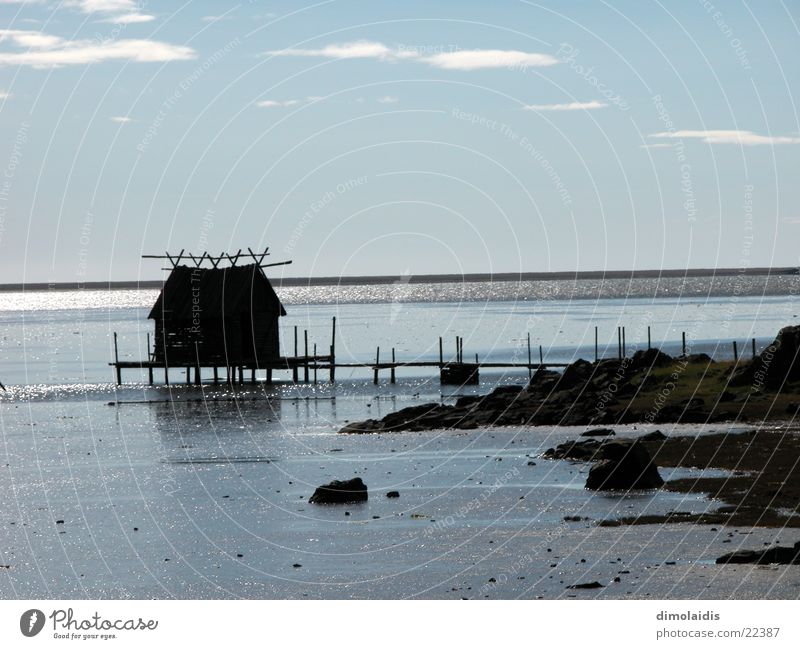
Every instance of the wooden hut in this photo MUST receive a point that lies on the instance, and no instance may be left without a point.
(217, 317)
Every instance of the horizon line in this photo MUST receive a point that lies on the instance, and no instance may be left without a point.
(433, 278)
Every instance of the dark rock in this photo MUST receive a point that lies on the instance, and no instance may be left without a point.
(655, 436)
(593, 584)
(573, 450)
(340, 491)
(623, 465)
(598, 432)
(392, 494)
(777, 364)
(644, 359)
(779, 555)
(575, 375)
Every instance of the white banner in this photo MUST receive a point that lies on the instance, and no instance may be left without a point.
(402, 624)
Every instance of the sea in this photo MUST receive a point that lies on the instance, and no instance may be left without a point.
(184, 491)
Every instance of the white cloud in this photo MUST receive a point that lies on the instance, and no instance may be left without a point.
(387, 99)
(275, 103)
(121, 120)
(484, 59)
(46, 51)
(456, 60)
(744, 138)
(355, 50)
(575, 105)
(129, 19)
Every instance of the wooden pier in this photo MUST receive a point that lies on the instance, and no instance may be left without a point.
(452, 371)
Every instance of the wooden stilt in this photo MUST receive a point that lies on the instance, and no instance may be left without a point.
(683, 344)
(216, 374)
(624, 348)
(649, 345)
(241, 375)
(754, 347)
(333, 351)
(530, 368)
(619, 343)
(116, 361)
(188, 369)
(377, 362)
(269, 375)
(315, 363)
(541, 356)
(392, 374)
(166, 375)
(305, 353)
(441, 353)
(596, 355)
(735, 352)
(150, 375)
(252, 375)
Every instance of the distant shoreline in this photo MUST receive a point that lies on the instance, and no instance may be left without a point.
(425, 279)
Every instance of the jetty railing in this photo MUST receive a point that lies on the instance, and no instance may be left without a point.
(452, 371)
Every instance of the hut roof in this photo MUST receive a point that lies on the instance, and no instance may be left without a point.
(219, 292)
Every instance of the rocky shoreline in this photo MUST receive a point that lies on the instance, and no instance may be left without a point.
(763, 488)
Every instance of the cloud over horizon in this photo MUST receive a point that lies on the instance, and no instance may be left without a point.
(744, 138)
(455, 60)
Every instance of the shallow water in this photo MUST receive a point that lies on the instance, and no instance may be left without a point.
(207, 474)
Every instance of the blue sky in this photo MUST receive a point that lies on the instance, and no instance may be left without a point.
(398, 137)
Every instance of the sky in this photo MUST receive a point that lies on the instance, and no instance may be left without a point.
(397, 137)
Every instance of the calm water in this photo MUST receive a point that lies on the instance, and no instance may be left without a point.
(202, 492)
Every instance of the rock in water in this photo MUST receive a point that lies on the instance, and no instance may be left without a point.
(340, 491)
(780, 555)
(598, 432)
(624, 464)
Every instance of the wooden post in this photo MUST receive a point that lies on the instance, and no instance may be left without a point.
(476, 359)
(333, 351)
(241, 375)
(735, 352)
(457, 343)
(216, 374)
(596, 356)
(315, 363)
(441, 353)
(252, 375)
(541, 356)
(116, 361)
(648, 337)
(624, 350)
(150, 374)
(530, 369)
(305, 362)
(683, 345)
(392, 373)
(269, 375)
(197, 364)
(754, 347)
(149, 356)
(166, 374)
(188, 369)
(619, 342)
(295, 341)
(377, 361)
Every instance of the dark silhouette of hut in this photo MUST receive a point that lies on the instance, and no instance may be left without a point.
(217, 317)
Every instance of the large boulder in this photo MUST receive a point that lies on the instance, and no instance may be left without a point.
(623, 465)
(340, 491)
(781, 555)
(777, 364)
